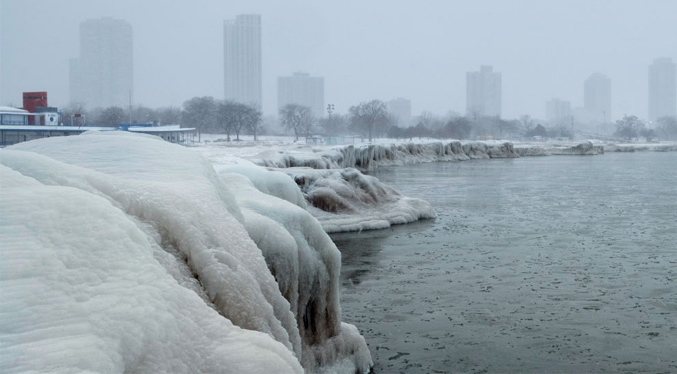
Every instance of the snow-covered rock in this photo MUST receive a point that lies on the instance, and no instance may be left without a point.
(124, 253)
(347, 200)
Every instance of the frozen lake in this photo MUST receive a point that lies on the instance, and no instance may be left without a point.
(552, 264)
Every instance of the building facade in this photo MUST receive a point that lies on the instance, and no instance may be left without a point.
(242, 59)
(557, 110)
(401, 109)
(483, 93)
(662, 89)
(597, 98)
(103, 74)
(302, 89)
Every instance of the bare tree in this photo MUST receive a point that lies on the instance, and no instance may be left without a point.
(298, 118)
(333, 124)
(69, 112)
(143, 114)
(225, 116)
(367, 115)
(526, 123)
(200, 113)
(111, 116)
(667, 128)
(254, 119)
(169, 115)
(234, 117)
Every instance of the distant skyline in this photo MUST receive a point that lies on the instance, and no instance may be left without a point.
(483, 93)
(300, 88)
(103, 74)
(662, 89)
(242, 59)
(364, 50)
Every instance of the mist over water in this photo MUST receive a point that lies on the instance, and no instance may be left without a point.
(556, 264)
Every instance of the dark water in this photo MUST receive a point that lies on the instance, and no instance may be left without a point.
(553, 264)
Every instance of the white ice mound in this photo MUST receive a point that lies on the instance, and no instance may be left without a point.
(367, 157)
(347, 200)
(83, 290)
(305, 263)
(142, 251)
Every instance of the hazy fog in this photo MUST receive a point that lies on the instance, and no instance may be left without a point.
(365, 50)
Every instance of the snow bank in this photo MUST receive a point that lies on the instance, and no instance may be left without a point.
(367, 157)
(125, 253)
(347, 200)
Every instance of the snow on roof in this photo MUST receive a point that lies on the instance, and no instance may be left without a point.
(9, 109)
(54, 128)
(158, 129)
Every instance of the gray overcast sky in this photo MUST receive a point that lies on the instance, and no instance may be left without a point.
(364, 49)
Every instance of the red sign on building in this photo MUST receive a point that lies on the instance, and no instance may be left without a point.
(33, 100)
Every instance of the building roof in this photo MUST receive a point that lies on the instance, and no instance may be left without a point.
(54, 128)
(11, 110)
(160, 129)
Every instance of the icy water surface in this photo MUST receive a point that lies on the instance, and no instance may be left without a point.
(556, 264)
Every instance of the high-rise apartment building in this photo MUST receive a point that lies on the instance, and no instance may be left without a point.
(302, 89)
(483, 93)
(662, 89)
(597, 98)
(401, 109)
(557, 110)
(103, 75)
(242, 59)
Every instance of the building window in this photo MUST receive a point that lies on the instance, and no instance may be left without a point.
(13, 119)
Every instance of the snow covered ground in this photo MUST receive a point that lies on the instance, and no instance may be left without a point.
(124, 253)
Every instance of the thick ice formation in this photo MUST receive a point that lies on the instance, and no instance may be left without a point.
(340, 196)
(542, 149)
(652, 147)
(370, 156)
(305, 263)
(347, 200)
(125, 253)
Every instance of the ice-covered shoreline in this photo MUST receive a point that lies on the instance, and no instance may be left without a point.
(343, 199)
(124, 253)
(391, 152)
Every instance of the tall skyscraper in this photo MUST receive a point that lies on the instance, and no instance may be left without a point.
(557, 110)
(597, 98)
(242, 59)
(301, 89)
(401, 109)
(662, 89)
(103, 75)
(483, 93)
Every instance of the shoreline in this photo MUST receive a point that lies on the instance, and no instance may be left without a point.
(341, 195)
